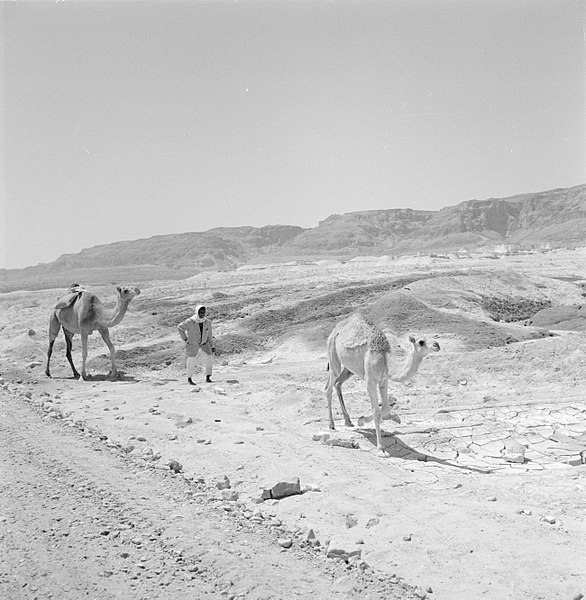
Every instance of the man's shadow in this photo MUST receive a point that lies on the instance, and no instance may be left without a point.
(397, 448)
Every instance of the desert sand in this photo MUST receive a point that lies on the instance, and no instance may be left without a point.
(483, 491)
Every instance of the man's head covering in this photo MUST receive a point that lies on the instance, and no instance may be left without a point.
(196, 316)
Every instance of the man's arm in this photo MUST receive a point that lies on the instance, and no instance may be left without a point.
(182, 327)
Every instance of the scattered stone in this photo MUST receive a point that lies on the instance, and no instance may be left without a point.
(513, 452)
(224, 483)
(140, 438)
(207, 442)
(429, 590)
(342, 549)
(548, 519)
(351, 521)
(220, 391)
(311, 488)
(175, 466)
(184, 422)
(283, 489)
(195, 389)
(229, 495)
(372, 522)
(578, 597)
(285, 542)
(173, 437)
(259, 428)
(407, 538)
(33, 364)
(491, 499)
(522, 511)
(308, 536)
(32, 332)
(232, 381)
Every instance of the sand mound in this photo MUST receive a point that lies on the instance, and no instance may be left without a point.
(566, 318)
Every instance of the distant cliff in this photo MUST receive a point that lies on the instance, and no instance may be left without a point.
(556, 217)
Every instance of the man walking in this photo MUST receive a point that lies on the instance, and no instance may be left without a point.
(196, 332)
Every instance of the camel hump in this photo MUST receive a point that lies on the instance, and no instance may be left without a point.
(68, 300)
(357, 330)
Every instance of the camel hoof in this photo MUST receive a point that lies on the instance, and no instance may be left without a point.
(76, 376)
(382, 453)
(48, 374)
(392, 417)
(349, 424)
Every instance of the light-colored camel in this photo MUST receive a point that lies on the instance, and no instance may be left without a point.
(357, 347)
(82, 312)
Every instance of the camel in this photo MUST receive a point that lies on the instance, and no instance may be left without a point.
(82, 312)
(357, 347)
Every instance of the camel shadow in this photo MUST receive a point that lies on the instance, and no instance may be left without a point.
(397, 448)
(121, 376)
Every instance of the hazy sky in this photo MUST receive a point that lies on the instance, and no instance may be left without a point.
(123, 120)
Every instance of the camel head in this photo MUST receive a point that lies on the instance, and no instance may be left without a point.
(421, 347)
(126, 294)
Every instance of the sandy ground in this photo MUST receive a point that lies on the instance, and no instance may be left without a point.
(483, 492)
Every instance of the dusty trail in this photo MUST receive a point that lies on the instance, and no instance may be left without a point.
(79, 520)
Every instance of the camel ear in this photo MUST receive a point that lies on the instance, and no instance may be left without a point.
(412, 339)
(118, 289)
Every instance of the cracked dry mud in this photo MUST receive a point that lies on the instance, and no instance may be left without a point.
(78, 519)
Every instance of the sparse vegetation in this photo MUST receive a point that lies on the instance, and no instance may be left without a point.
(508, 309)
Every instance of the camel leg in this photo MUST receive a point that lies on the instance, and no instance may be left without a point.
(372, 387)
(340, 379)
(84, 337)
(329, 388)
(385, 404)
(69, 343)
(106, 337)
(54, 328)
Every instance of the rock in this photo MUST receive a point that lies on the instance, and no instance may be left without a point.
(33, 364)
(578, 597)
(491, 499)
(230, 495)
(224, 483)
(141, 438)
(513, 452)
(351, 521)
(283, 489)
(548, 519)
(308, 536)
(184, 422)
(232, 381)
(174, 465)
(342, 549)
(285, 542)
(32, 332)
(372, 522)
(220, 391)
(407, 538)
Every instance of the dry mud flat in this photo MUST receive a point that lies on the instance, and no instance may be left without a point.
(483, 494)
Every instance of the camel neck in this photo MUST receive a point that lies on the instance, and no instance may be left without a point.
(408, 368)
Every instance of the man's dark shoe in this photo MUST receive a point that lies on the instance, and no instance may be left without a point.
(190, 381)
(209, 379)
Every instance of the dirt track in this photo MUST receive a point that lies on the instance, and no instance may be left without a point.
(80, 520)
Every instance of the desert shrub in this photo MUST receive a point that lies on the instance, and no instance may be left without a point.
(509, 309)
